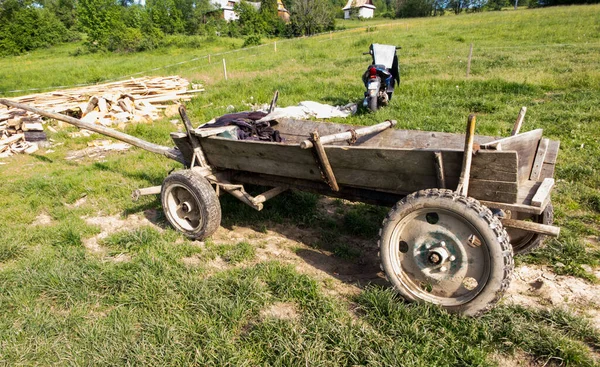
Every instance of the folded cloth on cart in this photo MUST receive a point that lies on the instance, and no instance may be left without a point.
(308, 109)
(249, 126)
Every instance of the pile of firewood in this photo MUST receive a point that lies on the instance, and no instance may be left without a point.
(110, 104)
(19, 133)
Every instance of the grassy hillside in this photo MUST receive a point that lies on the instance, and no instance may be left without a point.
(63, 305)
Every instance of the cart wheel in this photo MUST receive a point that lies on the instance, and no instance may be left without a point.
(190, 204)
(522, 241)
(440, 247)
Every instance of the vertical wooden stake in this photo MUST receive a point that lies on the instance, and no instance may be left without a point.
(225, 69)
(463, 183)
(209, 58)
(439, 168)
(469, 60)
(275, 46)
(519, 121)
(324, 161)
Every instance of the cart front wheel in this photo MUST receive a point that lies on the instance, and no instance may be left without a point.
(190, 204)
(439, 247)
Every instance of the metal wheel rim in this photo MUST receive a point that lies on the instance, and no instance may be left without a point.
(450, 288)
(183, 207)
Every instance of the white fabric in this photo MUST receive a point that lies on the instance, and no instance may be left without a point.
(309, 109)
(384, 54)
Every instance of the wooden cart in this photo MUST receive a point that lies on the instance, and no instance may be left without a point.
(458, 200)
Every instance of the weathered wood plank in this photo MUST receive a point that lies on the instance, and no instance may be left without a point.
(542, 196)
(487, 165)
(532, 227)
(525, 145)
(538, 161)
(210, 131)
(550, 159)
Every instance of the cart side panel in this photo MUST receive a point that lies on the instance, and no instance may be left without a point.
(260, 157)
(493, 173)
(526, 146)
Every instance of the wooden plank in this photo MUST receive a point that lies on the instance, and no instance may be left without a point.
(12, 139)
(550, 159)
(505, 192)
(538, 161)
(519, 121)
(282, 153)
(525, 145)
(210, 131)
(297, 130)
(487, 165)
(532, 227)
(542, 196)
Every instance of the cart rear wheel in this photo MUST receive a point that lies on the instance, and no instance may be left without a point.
(439, 247)
(523, 241)
(190, 204)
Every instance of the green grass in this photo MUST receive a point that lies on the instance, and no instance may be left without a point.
(62, 305)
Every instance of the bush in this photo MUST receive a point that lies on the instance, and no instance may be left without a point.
(252, 40)
(28, 28)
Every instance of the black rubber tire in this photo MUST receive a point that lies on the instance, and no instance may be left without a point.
(373, 103)
(498, 249)
(205, 198)
(535, 240)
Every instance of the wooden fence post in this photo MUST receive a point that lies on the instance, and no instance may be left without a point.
(225, 69)
(469, 60)
(275, 46)
(209, 58)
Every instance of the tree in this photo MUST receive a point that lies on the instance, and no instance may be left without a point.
(25, 26)
(250, 20)
(309, 17)
(414, 8)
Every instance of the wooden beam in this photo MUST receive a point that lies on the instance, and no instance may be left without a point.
(324, 161)
(463, 183)
(348, 135)
(519, 121)
(532, 227)
(258, 199)
(154, 190)
(151, 147)
(439, 169)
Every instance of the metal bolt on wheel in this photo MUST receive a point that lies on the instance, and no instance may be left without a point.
(439, 247)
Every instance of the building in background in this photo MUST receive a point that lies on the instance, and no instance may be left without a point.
(362, 9)
(229, 14)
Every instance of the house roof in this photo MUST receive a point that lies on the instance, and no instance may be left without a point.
(359, 4)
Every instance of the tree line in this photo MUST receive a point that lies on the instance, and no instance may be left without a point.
(129, 25)
(137, 25)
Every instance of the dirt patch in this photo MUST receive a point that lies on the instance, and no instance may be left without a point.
(280, 311)
(192, 261)
(112, 224)
(538, 287)
(42, 220)
(79, 202)
(96, 153)
(519, 359)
